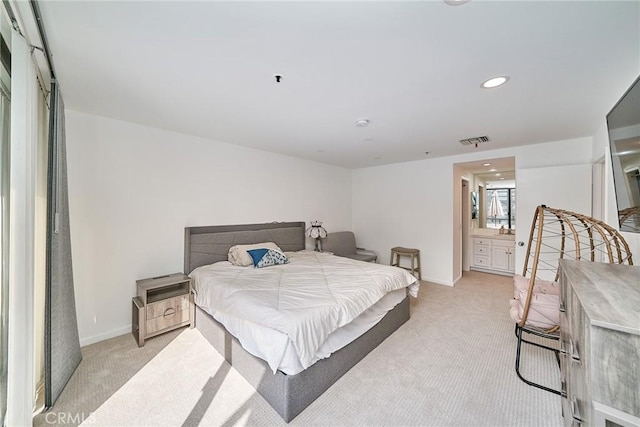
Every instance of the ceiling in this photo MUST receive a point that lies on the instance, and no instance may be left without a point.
(413, 69)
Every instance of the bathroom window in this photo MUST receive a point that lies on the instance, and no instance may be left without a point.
(501, 208)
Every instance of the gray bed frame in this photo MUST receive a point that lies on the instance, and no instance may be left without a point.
(287, 394)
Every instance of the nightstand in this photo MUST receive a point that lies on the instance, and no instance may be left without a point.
(163, 304)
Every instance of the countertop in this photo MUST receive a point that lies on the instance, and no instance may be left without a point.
(490, 233)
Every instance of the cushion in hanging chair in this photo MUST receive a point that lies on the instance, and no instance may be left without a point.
(544, 309)
(540, 287)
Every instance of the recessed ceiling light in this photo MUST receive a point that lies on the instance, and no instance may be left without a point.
(501, 178)
(492, 170)
(456, 2)
(494, 82)
(362, 123)
(486, 164)
(497, 174)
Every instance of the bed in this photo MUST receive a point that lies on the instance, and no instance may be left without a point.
(288, 388)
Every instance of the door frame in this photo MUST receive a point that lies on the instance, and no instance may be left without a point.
(465, 196)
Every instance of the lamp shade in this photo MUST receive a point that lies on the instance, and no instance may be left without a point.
(316, 230)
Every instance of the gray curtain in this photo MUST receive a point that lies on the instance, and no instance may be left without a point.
(62, 345)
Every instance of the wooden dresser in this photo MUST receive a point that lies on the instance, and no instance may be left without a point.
(600, 344)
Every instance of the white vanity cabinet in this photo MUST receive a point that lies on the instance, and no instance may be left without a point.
(481, 253)
(493, 255)
(503, 253)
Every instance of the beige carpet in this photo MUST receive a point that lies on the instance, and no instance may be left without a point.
(451, 364)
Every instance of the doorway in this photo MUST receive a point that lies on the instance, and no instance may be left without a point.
(472, 179)
(597, 186)
(598, 195)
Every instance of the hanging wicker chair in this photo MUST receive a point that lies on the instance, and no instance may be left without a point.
(630, 219)
(557, 234)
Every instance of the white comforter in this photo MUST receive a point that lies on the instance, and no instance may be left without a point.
(305, 300)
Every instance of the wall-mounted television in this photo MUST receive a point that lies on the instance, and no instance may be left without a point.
(623, 123)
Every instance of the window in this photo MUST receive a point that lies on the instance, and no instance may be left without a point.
(501, 208)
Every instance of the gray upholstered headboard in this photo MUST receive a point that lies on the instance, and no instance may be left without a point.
(206, 245)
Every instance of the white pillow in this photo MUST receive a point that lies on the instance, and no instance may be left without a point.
(239, 256)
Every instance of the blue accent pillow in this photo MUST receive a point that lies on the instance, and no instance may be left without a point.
(266, 257)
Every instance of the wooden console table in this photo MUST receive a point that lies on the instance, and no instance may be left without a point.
(600, 343)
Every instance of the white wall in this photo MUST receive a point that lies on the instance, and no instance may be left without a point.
(407, 204)
(416, 204)
(133, 189)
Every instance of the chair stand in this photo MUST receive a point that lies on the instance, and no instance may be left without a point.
(519, 331)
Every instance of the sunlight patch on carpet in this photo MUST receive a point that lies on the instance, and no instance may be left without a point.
(179, 387)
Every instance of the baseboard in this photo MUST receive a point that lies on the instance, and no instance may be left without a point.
(437, 282)
(457, 279)
(487, 270)
(105, 336)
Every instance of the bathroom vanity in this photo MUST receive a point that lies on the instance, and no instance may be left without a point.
(492, 252)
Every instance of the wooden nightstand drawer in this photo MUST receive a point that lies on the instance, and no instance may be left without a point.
(171, 317)
(164, 307)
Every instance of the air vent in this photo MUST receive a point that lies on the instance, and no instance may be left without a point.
(474, 141)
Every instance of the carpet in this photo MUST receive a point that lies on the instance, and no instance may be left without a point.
(451, 364)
